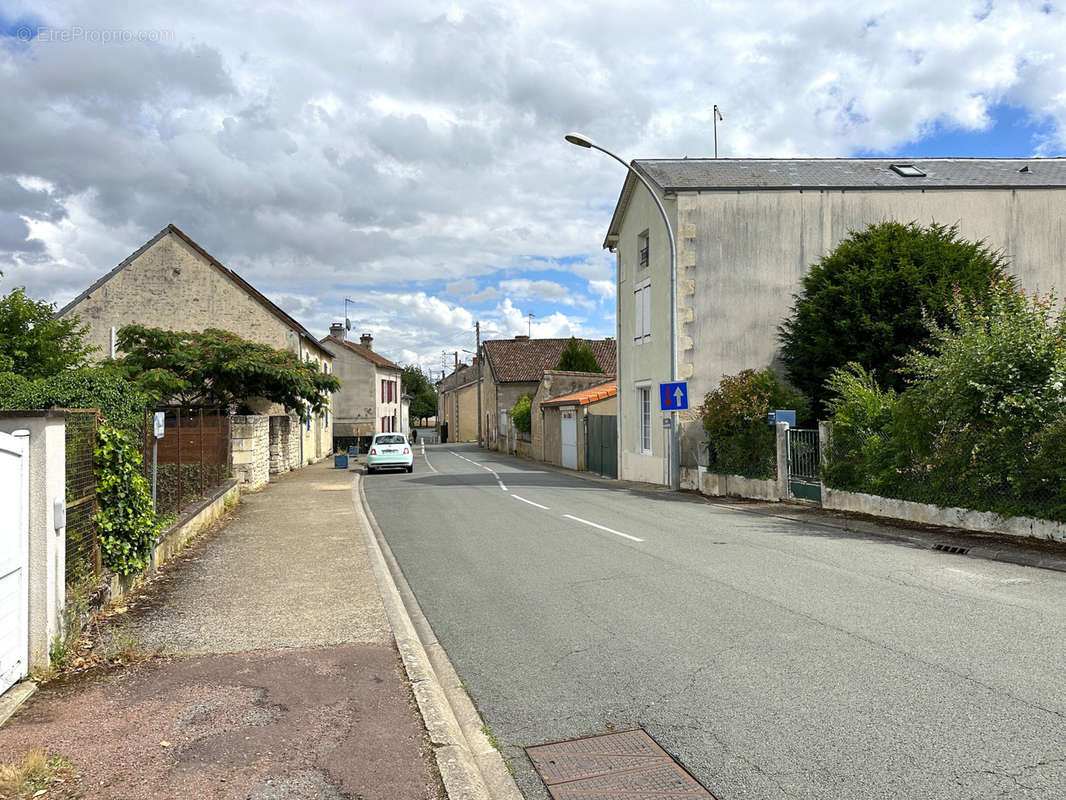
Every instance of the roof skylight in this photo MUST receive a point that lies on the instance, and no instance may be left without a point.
(907, 171)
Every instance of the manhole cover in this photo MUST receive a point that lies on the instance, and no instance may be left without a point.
(627, 765)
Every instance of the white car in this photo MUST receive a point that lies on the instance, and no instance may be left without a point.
(390, 451)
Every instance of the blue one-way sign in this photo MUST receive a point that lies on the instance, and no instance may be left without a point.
(673, 396)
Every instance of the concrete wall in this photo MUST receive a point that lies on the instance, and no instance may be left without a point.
(47, 546)
(925, 513)
(741, 257)
(250, 449)
(502, 397)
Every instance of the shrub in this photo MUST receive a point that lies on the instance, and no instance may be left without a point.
(734, 416)
(119, 401)
(521, 413)
(982, 421)
(864, 302)
(125, 524)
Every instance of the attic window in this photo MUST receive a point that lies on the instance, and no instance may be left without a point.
(907, 171)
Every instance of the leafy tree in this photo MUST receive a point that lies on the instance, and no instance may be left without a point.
(423, 396)
(219, 368)
(734, 416)
(864, 302)
(578, 357)
(522, 413)
(33, 342)
(120, 402)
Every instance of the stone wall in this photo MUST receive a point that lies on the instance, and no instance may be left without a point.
(250, 449)
(283, 445)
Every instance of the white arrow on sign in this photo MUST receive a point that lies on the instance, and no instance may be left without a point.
(678, 394)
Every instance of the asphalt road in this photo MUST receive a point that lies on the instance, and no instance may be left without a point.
(772, 658)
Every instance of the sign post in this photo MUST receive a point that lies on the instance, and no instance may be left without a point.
(159, 426)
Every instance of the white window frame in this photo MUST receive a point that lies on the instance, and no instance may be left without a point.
(642, 311)
(644, 417)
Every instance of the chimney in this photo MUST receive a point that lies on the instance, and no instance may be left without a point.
(336, 330)
(521, 338)
(367, 341)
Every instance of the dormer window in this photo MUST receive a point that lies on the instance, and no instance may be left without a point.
(907, 171)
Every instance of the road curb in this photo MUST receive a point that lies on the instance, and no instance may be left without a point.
(471, 768)
(14, 697)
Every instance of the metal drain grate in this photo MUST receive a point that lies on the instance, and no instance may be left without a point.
(950, 548)
(614, 766)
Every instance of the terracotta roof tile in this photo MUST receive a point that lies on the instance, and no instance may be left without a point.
(365, 352)
(524, 360)
(585, 396)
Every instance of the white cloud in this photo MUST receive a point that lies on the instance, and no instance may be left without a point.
(372, 148)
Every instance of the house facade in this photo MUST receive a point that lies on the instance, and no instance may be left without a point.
(171, 282)
(514, 367)
(370, 399)
(747, 231)
(457, 403)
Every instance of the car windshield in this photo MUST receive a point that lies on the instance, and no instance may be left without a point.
(390, 439)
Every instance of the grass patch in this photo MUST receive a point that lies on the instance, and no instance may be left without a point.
(491, 736)
(34, 772)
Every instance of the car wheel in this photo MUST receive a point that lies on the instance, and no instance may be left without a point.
(369, 470)
(411, 468)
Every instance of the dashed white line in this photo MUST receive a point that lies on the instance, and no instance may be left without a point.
(602, 527)
(538, 505)
(497, 477)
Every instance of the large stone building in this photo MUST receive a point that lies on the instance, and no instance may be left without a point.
(171, 282)
(370, 399)
(746, 232)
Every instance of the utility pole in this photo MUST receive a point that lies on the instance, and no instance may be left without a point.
(477, 333)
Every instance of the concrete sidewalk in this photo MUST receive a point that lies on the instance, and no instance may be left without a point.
(281, 678)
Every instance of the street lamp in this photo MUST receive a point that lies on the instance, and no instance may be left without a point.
(581, 140)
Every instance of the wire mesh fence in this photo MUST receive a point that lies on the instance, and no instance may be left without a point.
(1013, 481)
(750, 452)
(82, 550)
(191, 458)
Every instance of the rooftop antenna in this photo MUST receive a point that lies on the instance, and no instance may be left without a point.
(529, 329)
(347, 322)
(717, 115)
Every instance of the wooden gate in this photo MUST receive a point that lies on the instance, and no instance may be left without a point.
(14, 555)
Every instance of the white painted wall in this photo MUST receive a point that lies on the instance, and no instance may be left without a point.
(47, 544)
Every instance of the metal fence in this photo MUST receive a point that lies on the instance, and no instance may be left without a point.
(191, 459)
(1004, 482)
(751, 451)
(83, 551)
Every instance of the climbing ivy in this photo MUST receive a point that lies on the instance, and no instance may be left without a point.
(126, 525)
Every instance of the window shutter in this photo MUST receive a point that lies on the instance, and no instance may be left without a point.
(646, 298)
(638, 306)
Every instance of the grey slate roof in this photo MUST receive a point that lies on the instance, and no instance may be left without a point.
(688, 174)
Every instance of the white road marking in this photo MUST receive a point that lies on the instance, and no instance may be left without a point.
(427, 459)
(538, 505)
(476, 464)
(602, 527)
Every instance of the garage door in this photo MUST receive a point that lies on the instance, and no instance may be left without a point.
(14, 548)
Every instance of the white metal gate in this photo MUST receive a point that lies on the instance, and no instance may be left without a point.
(14, 552)
(569, 434)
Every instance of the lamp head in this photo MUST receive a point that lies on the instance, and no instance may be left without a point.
(579, 139)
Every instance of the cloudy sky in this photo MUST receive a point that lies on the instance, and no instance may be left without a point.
(409, 155)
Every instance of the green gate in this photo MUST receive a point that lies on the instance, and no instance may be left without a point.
(601, 443)
(804, 482)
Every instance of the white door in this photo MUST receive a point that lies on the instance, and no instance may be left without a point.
(14, 551)
(569, 438)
